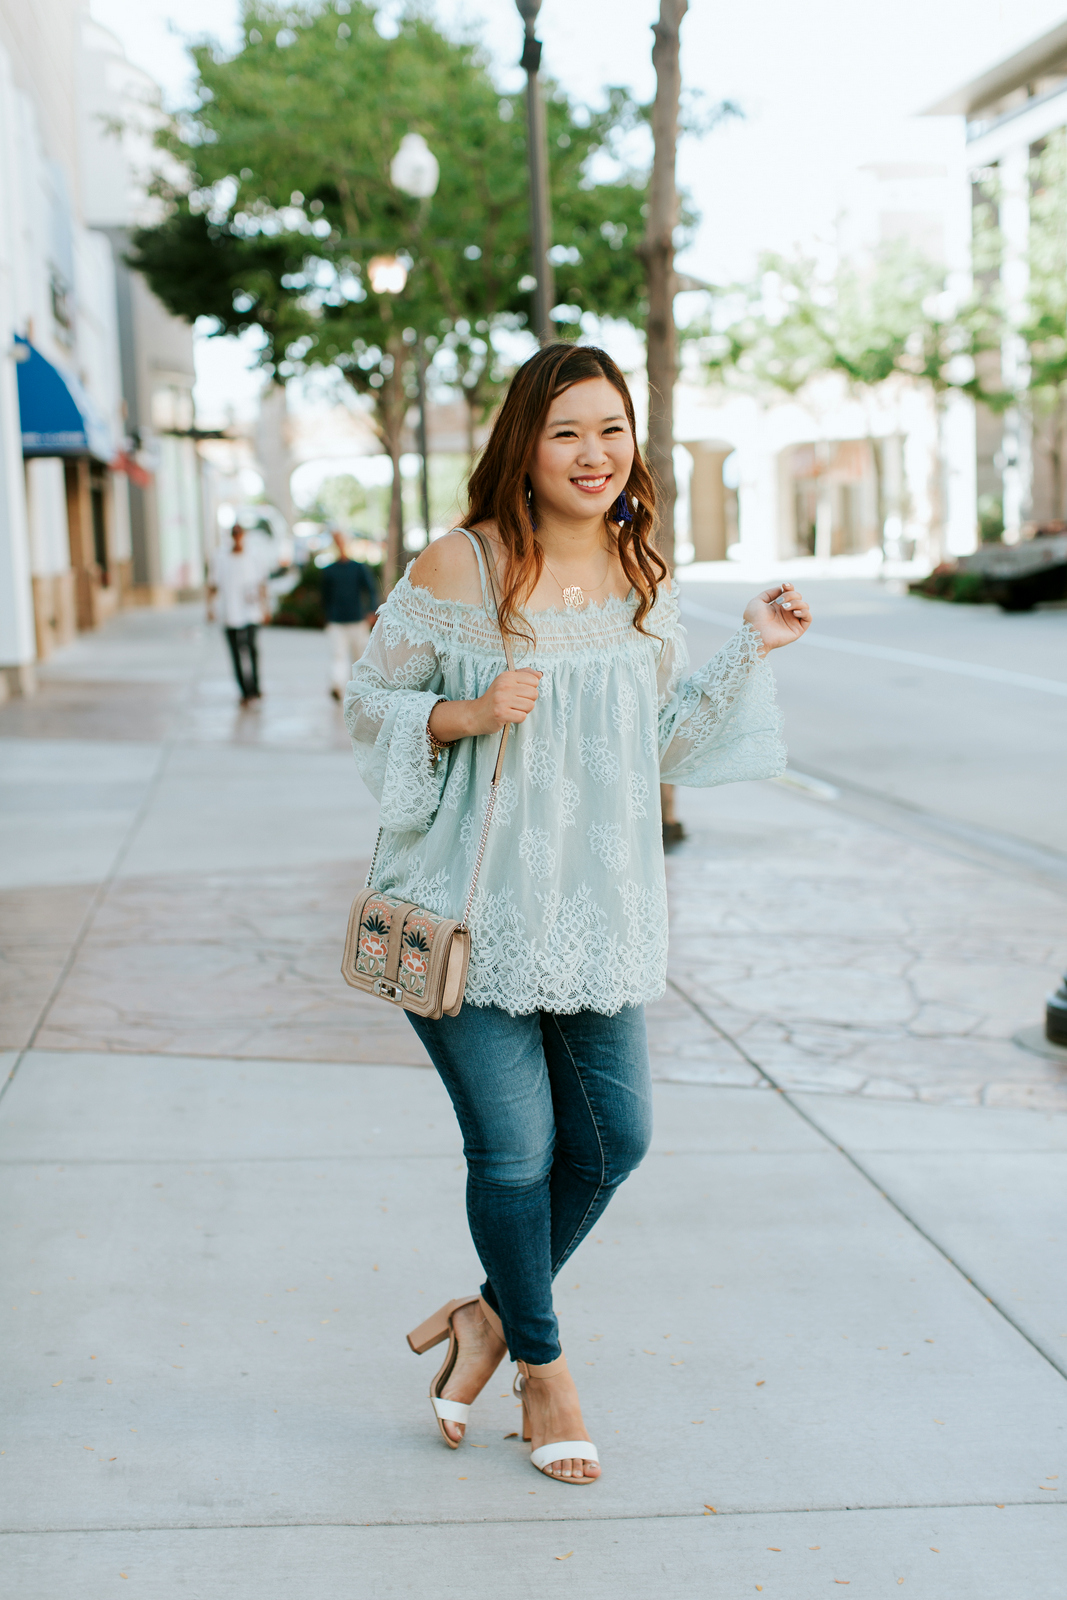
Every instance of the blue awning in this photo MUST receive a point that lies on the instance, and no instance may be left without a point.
(58, 416)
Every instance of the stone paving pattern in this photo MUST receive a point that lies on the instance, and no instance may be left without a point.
(837, 956)
(841, 957)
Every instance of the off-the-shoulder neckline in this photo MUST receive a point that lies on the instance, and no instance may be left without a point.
(600, 607)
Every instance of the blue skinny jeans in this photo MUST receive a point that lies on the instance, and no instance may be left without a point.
(555, 1111)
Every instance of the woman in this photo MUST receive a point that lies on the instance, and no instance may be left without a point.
(546, 1063)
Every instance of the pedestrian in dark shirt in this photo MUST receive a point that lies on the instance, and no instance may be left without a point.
(350, 600)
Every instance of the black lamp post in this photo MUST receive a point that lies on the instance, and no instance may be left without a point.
(537, 146)
(415, 170)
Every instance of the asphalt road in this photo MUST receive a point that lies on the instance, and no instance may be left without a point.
(958, 710)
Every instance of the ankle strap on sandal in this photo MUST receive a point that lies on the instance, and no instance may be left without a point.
(548, 1370)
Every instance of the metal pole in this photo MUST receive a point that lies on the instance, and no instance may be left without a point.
(425, 467)
(537, 147)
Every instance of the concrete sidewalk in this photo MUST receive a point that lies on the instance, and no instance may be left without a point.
(823, 1334)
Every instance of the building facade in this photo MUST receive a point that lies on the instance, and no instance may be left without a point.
(99, 497)
(881, 473)
(155, 349)
(1015, 120)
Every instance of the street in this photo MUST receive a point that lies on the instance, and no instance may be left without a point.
(973, 750)
(822, 1331)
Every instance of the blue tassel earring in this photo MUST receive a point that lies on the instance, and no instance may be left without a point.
(620, 511)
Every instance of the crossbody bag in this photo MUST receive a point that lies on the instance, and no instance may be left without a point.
(401, 952)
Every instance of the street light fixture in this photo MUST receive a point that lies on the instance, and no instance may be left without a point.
(537, 150)
(415, 171)
(387, 274)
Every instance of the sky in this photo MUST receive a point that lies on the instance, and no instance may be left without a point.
(825, 87)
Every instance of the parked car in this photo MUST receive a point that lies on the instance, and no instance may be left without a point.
(1020, 576)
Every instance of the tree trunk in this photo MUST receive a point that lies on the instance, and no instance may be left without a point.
(394, 558)
(938, 497)
(472, 427)
(657, 252)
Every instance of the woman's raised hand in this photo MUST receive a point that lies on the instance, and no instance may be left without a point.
(779, 615)
(509, 698)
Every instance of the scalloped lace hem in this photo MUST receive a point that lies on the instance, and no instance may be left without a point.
(606, 1000)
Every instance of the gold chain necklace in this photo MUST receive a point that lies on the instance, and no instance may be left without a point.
(574, 596)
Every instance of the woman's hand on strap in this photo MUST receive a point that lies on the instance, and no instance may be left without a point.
(509, 698)
(779, 615)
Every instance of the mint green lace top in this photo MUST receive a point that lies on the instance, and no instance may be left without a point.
(571, 909)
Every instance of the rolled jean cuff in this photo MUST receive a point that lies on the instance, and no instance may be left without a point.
(538, 1355)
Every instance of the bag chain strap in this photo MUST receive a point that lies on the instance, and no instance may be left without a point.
(373, 859)
(495, 786)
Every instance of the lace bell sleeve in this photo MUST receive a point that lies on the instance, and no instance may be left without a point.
(394, 687)
(719, 724)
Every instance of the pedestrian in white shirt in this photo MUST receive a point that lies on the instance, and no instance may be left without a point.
(238, 581)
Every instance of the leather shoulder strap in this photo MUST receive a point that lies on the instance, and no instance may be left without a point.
(490, 572)
(479, 556)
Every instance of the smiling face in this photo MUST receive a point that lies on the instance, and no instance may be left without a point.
(582, 460)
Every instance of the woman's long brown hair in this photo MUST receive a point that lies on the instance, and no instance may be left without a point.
(497, 488)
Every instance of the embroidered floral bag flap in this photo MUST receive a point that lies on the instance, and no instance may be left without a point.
(401, 952)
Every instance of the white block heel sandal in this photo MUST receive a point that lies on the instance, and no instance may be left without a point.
(431, 1332)
(558, 1449)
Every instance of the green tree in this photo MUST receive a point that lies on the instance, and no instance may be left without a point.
(287, 197)
(340, 501)
(889, 318)
(795, 322)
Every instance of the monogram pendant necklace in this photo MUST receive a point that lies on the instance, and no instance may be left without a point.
(574, 596)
